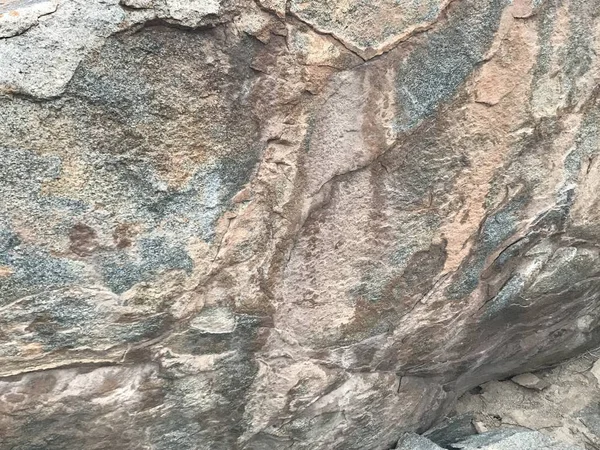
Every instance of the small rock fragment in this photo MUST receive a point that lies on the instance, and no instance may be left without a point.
(479, 427)
(523, 9)
(530, 381)
(412, 441)
(452, 429)
(512, 439)
(18, 17)
(214, 321)
(595, 370)
(137, 4)
(277, 6)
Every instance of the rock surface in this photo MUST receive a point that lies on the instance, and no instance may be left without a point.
(511, 439)
(568, 410)
(501, 439)
(453, 429)
(288, 225)
(412, 441)
(530, 381)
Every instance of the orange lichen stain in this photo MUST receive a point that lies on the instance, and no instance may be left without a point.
(6, 271)
(13, 13)
(32, 349)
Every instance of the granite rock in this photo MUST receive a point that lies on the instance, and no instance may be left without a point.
(452, 429)
(500, 439)
(510, 439)
(412, 441)
(568, 410)
(307, 225)
(530, 381)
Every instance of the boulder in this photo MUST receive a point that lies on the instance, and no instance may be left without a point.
(453, 429)
(511, 439)
(412, 441)
(238, 224)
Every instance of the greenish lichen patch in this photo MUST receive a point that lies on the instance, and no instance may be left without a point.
(32, 270)
(494, 231)
(66, 319)
(509, 295)
(437, 67)
(368, 28)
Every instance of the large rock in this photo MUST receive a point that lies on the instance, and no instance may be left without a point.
(412, 441)
(568, 409)
(305, 225)
(511, 439)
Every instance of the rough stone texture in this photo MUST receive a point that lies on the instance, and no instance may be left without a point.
(453, 429)
(513, 438)
(228, 224)
(13, 22)
(567, 410)
(412, 441)
(508, 439)
(367, 27)
(530, 381)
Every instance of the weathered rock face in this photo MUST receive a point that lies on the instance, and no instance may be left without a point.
(505, 439)
(566, 408)
(304, 224)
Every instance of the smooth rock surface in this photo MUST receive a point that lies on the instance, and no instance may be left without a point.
(530, 381)
(305, 225)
